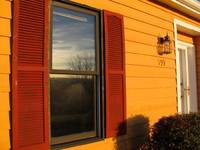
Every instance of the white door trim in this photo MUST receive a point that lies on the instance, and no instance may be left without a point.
(190, 66)
(183, 24)
(189, 29)
(181, 43)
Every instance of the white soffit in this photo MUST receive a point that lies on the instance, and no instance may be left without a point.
(190, 7)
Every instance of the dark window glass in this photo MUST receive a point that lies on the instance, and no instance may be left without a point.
(72, 105)
(74, 74)
(73, 40)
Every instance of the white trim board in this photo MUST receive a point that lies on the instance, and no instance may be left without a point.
(191, 30)
(185, 44)
(194, 30)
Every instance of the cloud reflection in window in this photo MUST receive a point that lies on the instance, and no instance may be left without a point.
(73, 40)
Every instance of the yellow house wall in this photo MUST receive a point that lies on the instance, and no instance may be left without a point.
(185, 38)
(5, 34)
(150, 78)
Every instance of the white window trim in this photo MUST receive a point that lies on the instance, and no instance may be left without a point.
(189, 27)
(185, 44)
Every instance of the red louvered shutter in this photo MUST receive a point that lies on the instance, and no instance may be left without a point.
(30, 75)
(115, 74)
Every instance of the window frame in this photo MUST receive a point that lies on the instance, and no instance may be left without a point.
(98, 74)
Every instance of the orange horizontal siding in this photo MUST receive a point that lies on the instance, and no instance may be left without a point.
(185, 38)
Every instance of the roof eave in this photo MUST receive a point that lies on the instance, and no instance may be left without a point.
(189, 7)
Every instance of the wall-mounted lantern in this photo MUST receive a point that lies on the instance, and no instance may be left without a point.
(164, 45)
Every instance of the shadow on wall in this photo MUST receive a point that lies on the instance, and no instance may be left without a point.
(137, 133)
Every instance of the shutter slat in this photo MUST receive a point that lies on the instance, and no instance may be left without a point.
(115, 74)
(33, 47)
(30, 75)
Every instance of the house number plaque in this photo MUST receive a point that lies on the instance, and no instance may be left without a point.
(161, 62)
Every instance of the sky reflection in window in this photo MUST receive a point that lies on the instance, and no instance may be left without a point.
(73, 40)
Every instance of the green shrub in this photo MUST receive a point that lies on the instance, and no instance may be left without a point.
(178, 132)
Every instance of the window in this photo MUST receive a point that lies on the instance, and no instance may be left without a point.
(74, 74)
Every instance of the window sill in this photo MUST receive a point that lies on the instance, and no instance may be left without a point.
(76, 143)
